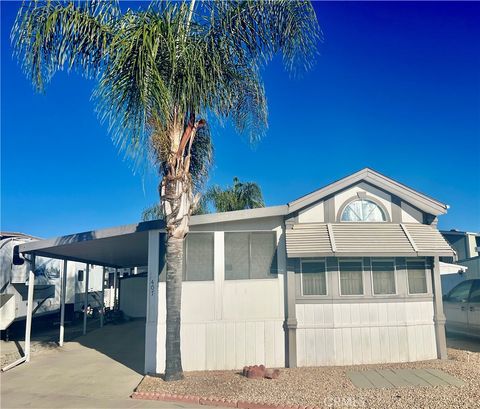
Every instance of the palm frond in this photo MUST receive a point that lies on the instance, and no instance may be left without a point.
(54, 35)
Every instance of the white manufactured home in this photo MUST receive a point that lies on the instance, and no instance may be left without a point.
(348, 274)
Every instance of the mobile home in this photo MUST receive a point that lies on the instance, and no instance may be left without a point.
(348, 274)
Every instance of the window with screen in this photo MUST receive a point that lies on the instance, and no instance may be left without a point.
(417, 277)
(314, 278)
(383, 277)
(250, 255)
(198, 257)
(351, 277)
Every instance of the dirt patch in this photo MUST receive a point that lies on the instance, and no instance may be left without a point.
(329, 386)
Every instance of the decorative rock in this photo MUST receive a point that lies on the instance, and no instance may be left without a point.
(259, 371)
(272, 373)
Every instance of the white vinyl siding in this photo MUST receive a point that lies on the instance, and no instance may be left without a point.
(383, 277)
(198, 258)
(351, 277)
(250, 255)
(417, 277)
(313, 278)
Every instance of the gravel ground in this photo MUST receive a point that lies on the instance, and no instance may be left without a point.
(10, 353)
(329, 387)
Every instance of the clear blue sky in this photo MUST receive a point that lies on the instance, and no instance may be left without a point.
(396, 88)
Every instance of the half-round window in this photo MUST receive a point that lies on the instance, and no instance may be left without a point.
(363, 210)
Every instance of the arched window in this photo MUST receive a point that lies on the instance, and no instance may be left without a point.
(363, 210)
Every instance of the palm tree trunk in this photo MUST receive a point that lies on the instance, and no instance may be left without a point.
(176, 196)
(173, 362)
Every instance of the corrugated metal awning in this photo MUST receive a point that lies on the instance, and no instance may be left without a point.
(365, 239)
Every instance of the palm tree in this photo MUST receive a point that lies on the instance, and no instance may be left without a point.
(246, 195)
(160, 73)
(240, 196)
(155, 211)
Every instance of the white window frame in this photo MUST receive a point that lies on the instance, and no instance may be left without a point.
(424, 261)
(360, 259)
(375, 201)
(395, 280)
(319, 260)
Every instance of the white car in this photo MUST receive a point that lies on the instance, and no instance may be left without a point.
(462, 308)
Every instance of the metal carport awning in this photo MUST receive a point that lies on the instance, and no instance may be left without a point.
(365, 239)
(124, 246)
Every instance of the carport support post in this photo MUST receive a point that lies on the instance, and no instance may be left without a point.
(102, 304)
(152, 301)
(438, 315)
(63, 289)
(28, 325)
(115, 285)
(85, 302)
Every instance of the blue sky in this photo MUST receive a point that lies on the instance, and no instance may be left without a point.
(396, 88)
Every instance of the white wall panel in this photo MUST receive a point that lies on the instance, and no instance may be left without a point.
(250, 330)
(313, 214)
(363, 333)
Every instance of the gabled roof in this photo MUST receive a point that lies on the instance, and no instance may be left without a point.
(415, 198)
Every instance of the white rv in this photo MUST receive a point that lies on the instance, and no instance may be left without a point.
(14, 283)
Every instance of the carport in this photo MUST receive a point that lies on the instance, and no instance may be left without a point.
(119, 247)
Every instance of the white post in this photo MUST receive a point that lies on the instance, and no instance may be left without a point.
(28, 325)
(85, 302)
(154, 266)
(115, 286)
(438, 315)
(63, 290)
(102, 304)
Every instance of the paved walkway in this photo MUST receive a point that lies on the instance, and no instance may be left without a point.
(99, 370)
(396, 378)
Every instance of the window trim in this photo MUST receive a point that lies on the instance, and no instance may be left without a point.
(369, 198)
(360, 259)
(250, 232)
(424, 261)
(319, 260)
(185, 258)
(395, 276)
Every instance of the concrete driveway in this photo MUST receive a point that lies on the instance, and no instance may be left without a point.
(99, 370)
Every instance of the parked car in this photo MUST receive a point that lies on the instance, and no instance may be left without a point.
(462, 308)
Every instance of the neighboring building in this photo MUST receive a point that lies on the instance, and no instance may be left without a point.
(348, 274)
(467, 249)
